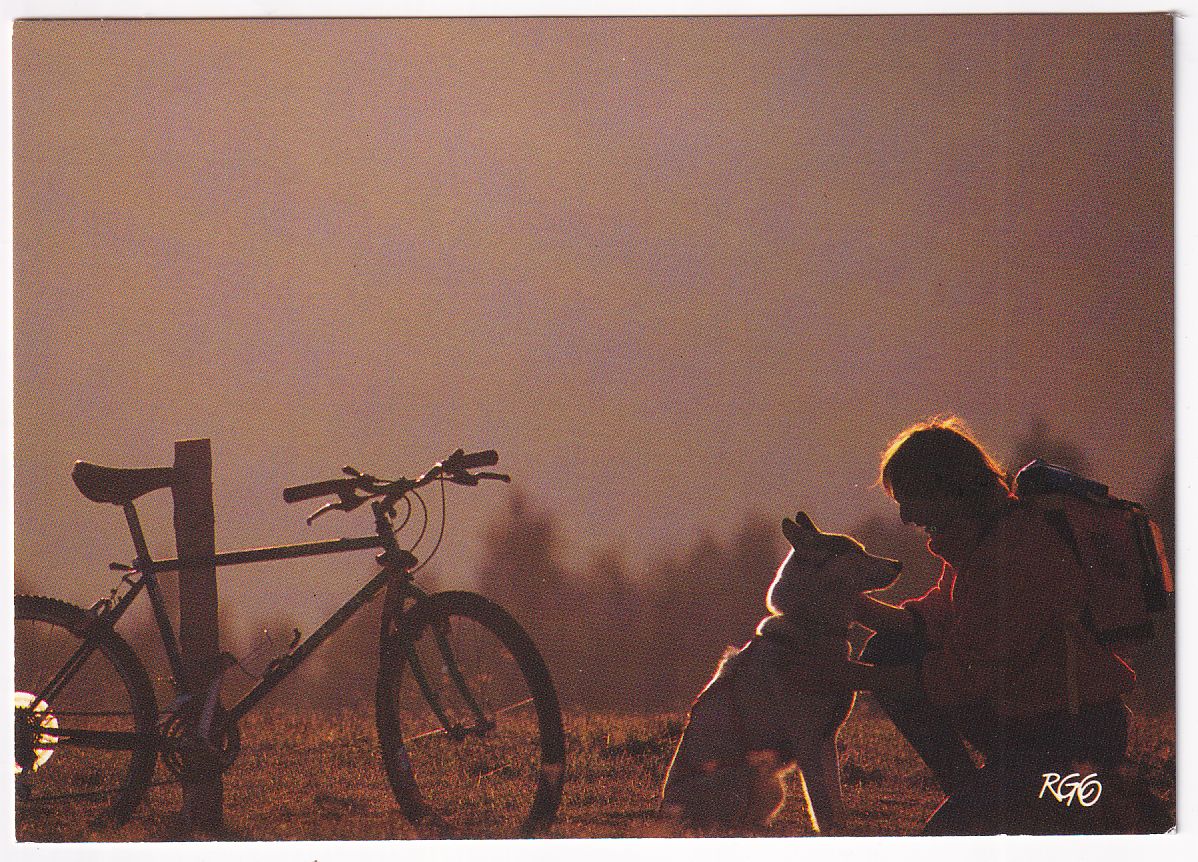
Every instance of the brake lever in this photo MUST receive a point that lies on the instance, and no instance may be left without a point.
(327, 507)
(502, 477)
(347, 503)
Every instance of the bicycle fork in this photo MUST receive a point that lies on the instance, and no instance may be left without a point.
(454, 730)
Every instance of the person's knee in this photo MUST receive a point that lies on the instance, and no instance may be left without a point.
(967, 810)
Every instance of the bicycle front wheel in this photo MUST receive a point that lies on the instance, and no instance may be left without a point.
(86, 721)
(468, 721)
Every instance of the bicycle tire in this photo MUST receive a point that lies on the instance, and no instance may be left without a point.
(110, 691)
(475, 785)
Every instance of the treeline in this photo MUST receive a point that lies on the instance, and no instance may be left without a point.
(618, 639)
(644, 635)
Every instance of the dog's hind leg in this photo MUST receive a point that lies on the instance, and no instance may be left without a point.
(821, 780)
(768, 790)
(708, 740)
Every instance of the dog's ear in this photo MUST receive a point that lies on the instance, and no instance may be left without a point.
(799, 531)
(806, 523)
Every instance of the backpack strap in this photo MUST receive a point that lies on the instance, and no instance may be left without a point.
(1082, 622)
(1057, 519)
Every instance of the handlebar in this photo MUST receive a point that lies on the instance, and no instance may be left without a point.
(298, 493)
(357, 488)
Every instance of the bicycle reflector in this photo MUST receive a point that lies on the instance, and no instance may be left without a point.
(32, 731)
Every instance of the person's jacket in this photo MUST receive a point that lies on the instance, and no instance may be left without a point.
(1003, 627)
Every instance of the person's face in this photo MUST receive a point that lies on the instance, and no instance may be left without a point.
(936, 511)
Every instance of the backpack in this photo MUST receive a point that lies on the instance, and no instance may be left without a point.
(1128, 579)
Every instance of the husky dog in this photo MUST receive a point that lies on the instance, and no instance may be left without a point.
(752, 724)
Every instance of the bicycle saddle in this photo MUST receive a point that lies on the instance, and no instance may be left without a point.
(119, 485)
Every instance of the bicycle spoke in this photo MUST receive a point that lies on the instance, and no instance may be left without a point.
(86, 741)
(110, 740)
(93, 713)
(483, 721)
(500, 711)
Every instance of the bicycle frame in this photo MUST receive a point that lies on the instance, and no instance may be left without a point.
(395, 572)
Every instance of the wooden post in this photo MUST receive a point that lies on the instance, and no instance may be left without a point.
(199, 643)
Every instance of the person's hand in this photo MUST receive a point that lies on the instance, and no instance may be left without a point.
(880, 616)
(898, 679)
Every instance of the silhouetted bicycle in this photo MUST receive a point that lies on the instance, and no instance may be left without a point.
(469, 725)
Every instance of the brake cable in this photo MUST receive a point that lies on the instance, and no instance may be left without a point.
(407, 515)
(424, 514)
(440, 534)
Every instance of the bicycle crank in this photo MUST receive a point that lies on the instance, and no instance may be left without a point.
(188, 756)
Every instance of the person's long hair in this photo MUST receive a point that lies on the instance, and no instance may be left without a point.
(937, 455)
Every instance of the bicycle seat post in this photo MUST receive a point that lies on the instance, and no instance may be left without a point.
(139, 539)
(144, 565)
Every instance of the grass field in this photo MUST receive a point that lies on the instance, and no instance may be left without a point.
(316, 776)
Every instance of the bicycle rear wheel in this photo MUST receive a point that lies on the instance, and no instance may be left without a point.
(86, 720)
(468, 721)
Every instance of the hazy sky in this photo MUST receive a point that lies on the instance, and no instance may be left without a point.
(674, 270)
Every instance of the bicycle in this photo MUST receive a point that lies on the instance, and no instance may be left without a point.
(465, 710)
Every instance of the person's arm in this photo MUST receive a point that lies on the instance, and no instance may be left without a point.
(882, 617)
(926, 617)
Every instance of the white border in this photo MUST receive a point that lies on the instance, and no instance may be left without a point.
(1186, 238)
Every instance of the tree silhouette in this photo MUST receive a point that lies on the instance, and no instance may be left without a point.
(612, 648)
(521, 569)
(1040, 442)
(617, 642)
